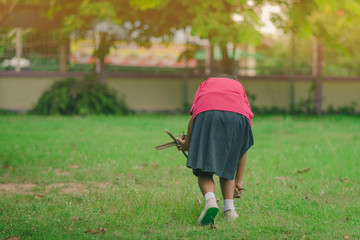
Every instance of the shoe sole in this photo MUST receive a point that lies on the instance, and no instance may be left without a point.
(209, 217)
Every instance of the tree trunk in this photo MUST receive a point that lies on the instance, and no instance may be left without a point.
(103, 47)
(102, 72)
(209, 59)
(226, 62)
(19, 48)
(317, 72)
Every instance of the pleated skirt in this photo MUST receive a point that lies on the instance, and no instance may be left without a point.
(219, 141)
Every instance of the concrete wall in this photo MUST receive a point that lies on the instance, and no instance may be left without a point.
(341, 93)
(167, 94)
(150, 94)
(22, 93)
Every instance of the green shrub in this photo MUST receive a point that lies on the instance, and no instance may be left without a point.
(80, 97)
(6, 112)
(344, 110)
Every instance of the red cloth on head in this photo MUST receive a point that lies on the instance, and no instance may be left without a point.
(222, 94)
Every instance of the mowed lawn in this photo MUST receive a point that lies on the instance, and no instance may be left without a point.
(101, 178)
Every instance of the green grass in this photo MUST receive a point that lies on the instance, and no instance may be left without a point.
(112, 177)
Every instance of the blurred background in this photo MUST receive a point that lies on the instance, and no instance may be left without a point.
(292, 56)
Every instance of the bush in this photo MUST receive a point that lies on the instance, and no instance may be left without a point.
(80, 97)
(4, 112)
(344, 110)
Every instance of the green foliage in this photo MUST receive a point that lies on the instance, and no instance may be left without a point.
(215, 20)
(277, 59)
(100, 10)
(268, 110)
(348, 110)
(6, 112)
(146, 4)
(80, 97)
(328, 20)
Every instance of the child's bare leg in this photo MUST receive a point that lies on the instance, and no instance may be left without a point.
(240, 172)
(206, 184)
(227, 188)
(207, 187)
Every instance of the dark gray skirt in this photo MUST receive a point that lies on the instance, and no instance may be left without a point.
(219, 141)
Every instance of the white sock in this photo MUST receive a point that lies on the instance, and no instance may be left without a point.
(209, 195)
(228, 205)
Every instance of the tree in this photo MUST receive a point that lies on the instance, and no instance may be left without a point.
(216, 20)
(309, 18)
(142, 20)
(316, 18)
(128, 21)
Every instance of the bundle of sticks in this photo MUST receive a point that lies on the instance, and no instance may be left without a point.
(175, 142)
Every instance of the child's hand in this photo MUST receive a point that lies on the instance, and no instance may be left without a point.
(183, 143)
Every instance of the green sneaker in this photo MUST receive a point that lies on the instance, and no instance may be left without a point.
(209, 213)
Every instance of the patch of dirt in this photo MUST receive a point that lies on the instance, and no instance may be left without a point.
(60, 172)
(68, 188)
(13, 188)
(64, 188)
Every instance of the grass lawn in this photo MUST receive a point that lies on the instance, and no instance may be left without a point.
(101, 178)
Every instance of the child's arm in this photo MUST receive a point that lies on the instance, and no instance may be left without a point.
(185, 144)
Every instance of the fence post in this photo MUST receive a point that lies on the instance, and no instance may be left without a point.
(63, 55)
(292, 73)
(19, 32)
(317, 72)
